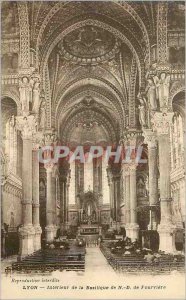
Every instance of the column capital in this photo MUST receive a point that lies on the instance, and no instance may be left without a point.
(125, 169)
(150, 138)
(49, 167)
(132, 167)
(50, 137)
(35, 205)
(157, 69)
(162, 122)
(26, 202)
(132, 138)
(27, 126)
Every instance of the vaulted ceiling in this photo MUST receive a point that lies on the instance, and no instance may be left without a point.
(92, 58)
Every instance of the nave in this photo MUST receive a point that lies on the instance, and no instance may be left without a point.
(85, 74)
(106, 256)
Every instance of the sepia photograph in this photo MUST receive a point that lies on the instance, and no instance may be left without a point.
(93, 150)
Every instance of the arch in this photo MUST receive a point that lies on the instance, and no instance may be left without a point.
(113, 96)
(101, 83)
(177, 86)
(126, 7)
(10, 94)
(82, 72)
(139, 21)
(178, 103)
(74, 98)
(105, 26)
(66, 123)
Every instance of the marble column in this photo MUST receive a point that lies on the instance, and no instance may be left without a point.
(150, 139)
(105, 186)
(131, 140)
(118, 197)
(27, 126)
(110, 184)
(65, 202)
(54, 212)
(115, 197)
(50, 228)
(3, 231)
(35, 197)
(134, 227)
(166, 229)
(127, 200)
(122, 199)
(62, 199)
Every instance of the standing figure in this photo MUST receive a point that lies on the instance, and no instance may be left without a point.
(162, 85)
(42, 114)
(12, 223)
(142, 110)
(151, 94)
(24, 94)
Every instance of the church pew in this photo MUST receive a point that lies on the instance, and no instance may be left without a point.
(135, 263)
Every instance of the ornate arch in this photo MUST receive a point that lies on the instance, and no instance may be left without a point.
(120, 105)
(87, 81)
(177, 86)
(99, 71)
(69, 122)
(140, 23)
(105, 26)
(128, 8)
(74, 98)
(15, 98)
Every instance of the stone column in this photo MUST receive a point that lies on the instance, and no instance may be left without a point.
(64, 202)
(122, 198)
(115, 197)
(131, 140)
(50, 228)
(3, 231)
(54, 200)
(62, 187)
(110, 184)
(127, 200)
(50, 139)
(150, 139)
(105, 186)
(27, 126)
(134, 227)
(35, 197)
(67, 197)
(162, 122)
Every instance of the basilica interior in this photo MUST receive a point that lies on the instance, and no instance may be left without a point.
(92, 73)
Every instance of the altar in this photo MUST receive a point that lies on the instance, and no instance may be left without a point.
(89, 233)
(89, 230)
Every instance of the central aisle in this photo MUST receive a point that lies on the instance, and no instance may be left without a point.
(96, 262)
